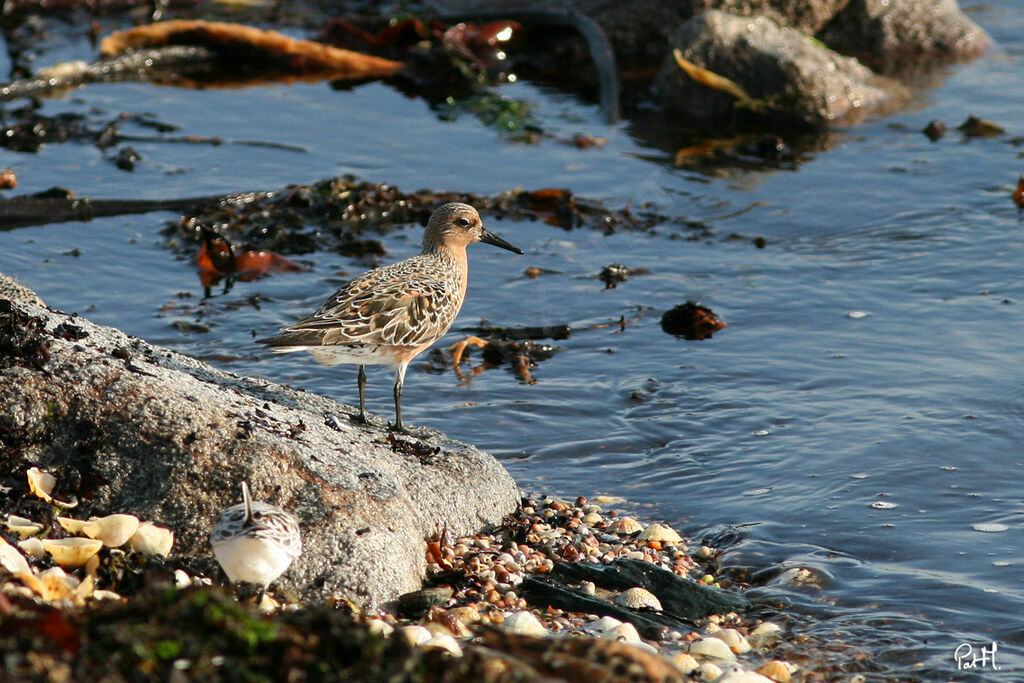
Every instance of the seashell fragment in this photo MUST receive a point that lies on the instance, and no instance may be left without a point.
(23, 526)
(72, 526)
(113, 530)
(150, 539)
(71, 552)
(41, 483)
(446, 643)
(711, 647)
(12, 560)
(625, 526)
(734, 639)
(414, 634)
(638, 598)
(659, 532)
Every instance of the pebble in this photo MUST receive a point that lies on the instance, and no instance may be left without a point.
(588, 587)
(524, 623)
(685, 662)
(712, 647)
(638, 598)
(764, 632)
(734, 639)
(776, 670)
(709, 671)
(604, 624)
(661, 533)
(625, 632)
(380, 628)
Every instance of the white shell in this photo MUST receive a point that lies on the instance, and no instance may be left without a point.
(711, 647)
(23, 526)
(446, 643)
(150, 539)
(637, 598)
(734, 639)
(113, 530)
(71, 552)
(414, 635)
(72, 526)
(659, 532)
(41, 483)
(524, 623)
(12, 560)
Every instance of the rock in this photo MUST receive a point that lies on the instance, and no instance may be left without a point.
(907, 36)
(793, 78)
(168, 438)
(9, 289)
(524, 623)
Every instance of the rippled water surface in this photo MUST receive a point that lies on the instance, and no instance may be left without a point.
(866, 447)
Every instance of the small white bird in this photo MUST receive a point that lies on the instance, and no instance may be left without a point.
(255, 542)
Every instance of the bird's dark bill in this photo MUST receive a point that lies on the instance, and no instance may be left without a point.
(488, 237)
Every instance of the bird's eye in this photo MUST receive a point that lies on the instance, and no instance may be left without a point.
(462, 222)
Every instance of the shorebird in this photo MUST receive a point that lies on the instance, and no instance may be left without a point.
(389, 315)
(255, 542)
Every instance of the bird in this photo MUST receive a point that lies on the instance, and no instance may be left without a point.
(255, 542)
(389, 315)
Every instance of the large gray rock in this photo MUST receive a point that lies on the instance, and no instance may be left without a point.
(899, 37)
(135, 428)
(781, 67)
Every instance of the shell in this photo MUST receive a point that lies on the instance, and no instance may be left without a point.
(709, 671)
(113, 530)
(625, 526)
(604, 624)
(23, 526)
(592, 518)
(524, 623)
(764, 632)
(380, 628)
(775, 670)
(72, 526)
(446, 643)
(41, 483)
(12, 560)
(734, 639)
(33, 546)
(638, 598)
(711, 647)
(150, 539)
(659, 532)
(71, 552)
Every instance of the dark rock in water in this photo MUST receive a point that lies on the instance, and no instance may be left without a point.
(787, 75)
(680, 598)
(168, 438)
(908, 36)
(691, 321)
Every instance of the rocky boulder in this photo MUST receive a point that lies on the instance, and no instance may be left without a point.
(126, 426)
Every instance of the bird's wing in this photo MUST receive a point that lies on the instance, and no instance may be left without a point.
(393, 305)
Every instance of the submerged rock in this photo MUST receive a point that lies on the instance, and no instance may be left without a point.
(787, 75)
(166, 437)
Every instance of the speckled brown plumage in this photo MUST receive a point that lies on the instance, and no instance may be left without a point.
(389, 315)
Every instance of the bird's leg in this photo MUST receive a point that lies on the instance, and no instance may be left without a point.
(361, 381)
(399, 380)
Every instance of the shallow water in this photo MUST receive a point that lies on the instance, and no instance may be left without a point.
(863, 447)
